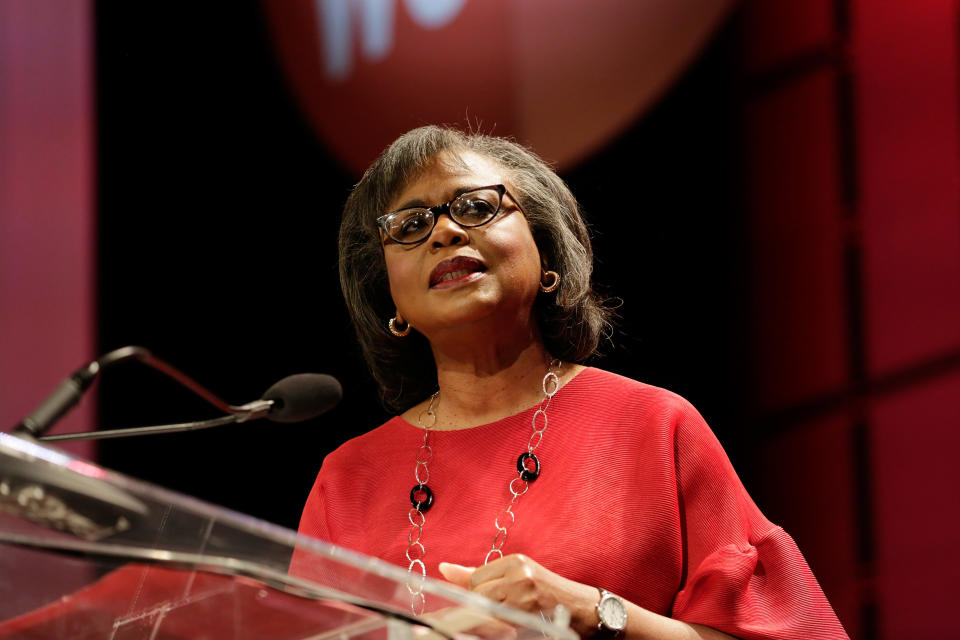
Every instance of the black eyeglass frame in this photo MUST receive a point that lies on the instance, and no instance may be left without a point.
(437, 210)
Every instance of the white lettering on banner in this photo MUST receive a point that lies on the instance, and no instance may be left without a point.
(433, 14)
(377, 20)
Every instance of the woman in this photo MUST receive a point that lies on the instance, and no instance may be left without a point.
(511, 469)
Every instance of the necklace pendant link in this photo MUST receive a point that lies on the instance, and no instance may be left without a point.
(541, 413)
(419, 551)
(424, 454)
(551, 384)
(505, 512)
(416, 517)
(414, 530)
(521, 489)
(526, 473)
(500, 539)
(421, 497)
(422, 474)
(534, 441)
(418, 603)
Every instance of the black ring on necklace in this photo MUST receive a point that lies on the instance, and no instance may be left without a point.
(427, 502)
(527, 474)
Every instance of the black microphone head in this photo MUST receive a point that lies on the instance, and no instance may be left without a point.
(303, 396)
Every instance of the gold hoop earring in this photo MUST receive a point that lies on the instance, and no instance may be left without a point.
(400, 333)
(554, 281)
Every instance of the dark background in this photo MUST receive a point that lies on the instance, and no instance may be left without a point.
(219, 210)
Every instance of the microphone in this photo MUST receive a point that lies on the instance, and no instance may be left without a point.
(293, 399)
(302, 396)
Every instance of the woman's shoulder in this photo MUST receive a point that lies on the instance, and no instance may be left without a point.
(608, 389)
(389, 436)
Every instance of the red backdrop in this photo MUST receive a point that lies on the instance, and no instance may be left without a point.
(46, 231)
(46, 204)
(852, 122)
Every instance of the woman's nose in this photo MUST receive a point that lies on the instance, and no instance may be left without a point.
(447, 232)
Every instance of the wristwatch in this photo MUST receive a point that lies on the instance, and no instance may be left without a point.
(612, 612)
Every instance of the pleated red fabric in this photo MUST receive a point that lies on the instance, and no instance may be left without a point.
(636, 495)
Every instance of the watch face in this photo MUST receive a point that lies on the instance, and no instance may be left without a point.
(613, 613)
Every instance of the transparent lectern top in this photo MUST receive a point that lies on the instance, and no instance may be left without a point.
(89, 553)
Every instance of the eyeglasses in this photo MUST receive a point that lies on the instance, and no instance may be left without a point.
(469, 210)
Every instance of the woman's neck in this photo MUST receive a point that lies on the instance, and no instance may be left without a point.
(488, 385)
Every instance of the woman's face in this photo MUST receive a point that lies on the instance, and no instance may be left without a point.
(459, 276)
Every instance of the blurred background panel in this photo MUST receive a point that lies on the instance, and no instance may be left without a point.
(47, 233)
(47, 203)
(772, 187)
(563, 76)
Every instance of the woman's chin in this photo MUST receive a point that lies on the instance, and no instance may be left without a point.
(463, 313)
(484, 312)
(464, 318)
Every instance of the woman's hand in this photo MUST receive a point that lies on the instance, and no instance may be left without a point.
(522, 583)
(519, 582)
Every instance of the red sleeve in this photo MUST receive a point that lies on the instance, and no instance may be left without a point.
(743, 575)
(313, 523)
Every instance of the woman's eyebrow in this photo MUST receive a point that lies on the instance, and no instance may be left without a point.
(418, 202)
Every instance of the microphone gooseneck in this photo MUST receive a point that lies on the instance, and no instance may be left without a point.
(66, 396)
(69, 392)
(293, 399)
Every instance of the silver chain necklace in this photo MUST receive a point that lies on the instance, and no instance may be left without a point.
(421, 497)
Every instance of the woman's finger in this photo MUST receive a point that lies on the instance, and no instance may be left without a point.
(499, 568)
(520, 595)
(457, 574)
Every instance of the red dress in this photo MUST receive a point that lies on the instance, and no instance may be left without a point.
(635, 495)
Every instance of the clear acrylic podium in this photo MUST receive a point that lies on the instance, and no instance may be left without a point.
(88, 553)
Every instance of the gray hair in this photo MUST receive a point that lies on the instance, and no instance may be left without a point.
(572, 319)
